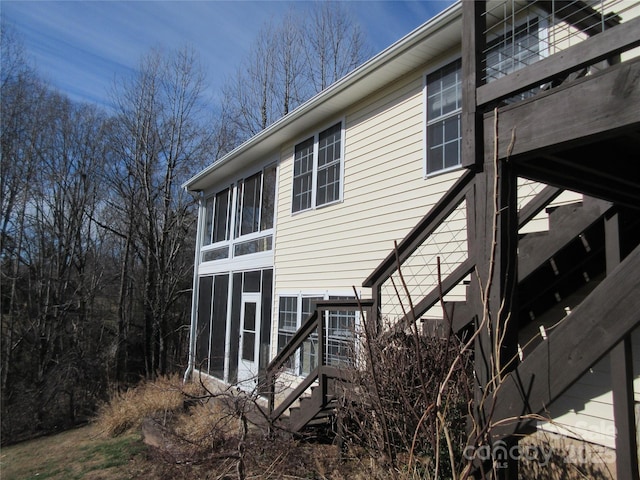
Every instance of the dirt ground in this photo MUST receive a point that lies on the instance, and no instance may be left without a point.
(84, 453)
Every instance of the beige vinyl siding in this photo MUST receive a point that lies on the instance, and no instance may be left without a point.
(385, 194)
(585, 411)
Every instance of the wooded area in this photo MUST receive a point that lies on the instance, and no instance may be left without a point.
(97, 235)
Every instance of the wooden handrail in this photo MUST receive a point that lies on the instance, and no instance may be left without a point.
(305, 330)
(315, 323)
(300, 389)
(600, 47)
(537, 204)
(429, 300)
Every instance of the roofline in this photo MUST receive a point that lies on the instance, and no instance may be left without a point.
(377, 61)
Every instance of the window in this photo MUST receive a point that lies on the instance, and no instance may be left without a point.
(340, 326)
(218, 214)
(317, 170)
(444, 106)
(340, 333)
(329, 155)
(303, 175)
(255, 205)
(252, 214)
(513, 50)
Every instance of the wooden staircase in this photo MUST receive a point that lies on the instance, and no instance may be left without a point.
(314, 410)
(315, 395)
(588, 261)
(553, 266)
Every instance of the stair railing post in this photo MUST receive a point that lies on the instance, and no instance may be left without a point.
(321, 351)
(271, 391)
(375, 315)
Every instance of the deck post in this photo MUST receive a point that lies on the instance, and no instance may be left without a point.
(493, 241)
(621, 375)
(494, 295)
(473, 21)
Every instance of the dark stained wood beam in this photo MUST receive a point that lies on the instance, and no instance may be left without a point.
(433, 297)
(534, 252)
(473, 43)
(622, 374)
(578, 177)
(590, 51)
(597, 325)
(601, 104)
(537, 204)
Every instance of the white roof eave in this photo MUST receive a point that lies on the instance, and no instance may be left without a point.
(427, 41)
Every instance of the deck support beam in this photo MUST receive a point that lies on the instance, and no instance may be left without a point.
(473, 27)
(494, 292)
(622, 375)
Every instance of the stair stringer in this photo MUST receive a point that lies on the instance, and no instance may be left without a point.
(598, 324)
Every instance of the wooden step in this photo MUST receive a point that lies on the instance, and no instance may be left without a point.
(566, 223)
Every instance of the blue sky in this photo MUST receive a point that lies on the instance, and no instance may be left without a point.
(80, 47)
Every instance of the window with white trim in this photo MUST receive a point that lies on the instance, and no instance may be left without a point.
(317, 169)
(514, 49)
(217, 218)
(339, 332)
(444, 108)
(245, 228)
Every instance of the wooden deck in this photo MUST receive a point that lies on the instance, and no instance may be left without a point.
(582, 135)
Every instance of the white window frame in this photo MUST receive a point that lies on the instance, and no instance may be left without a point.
(232, 239)
(543, 39)
(429, 122)
(325, 295)
(314, 176)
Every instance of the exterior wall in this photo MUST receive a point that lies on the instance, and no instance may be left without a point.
(585, 411)
(385, 194)
(333, 248)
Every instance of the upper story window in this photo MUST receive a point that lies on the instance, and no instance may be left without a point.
(239, 220)
(255, 202)
(317, 169)
(444, 107)
(218, 208)
(514, 49)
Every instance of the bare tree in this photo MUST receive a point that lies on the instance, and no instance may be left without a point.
(22, 101)
(249, 96)
(52, 155)
(289, 62)
(158, 139)
(334, 44)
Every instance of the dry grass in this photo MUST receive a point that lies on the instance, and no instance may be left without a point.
(126, 410)
(75, 454)
(206, 426)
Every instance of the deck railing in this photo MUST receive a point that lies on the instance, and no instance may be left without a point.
(325, 365)
(525, 35)
(399, 300)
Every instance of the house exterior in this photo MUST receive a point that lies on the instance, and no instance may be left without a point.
(308, 210)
